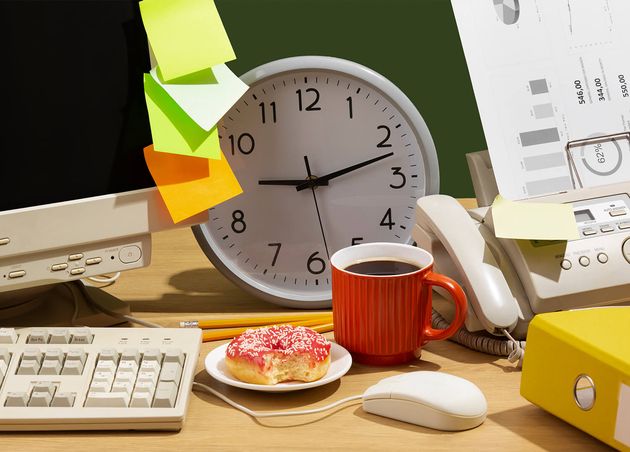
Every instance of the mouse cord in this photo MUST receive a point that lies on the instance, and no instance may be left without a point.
(258, 414)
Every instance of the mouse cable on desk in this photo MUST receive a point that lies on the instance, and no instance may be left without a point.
(259, 414)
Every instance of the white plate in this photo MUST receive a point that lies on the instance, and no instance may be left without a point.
(340, 362)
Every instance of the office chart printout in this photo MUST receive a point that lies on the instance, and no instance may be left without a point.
(546, 72)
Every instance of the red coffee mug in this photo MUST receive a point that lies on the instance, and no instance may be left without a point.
(385, 320)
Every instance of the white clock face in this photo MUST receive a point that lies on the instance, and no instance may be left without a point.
(279, 234)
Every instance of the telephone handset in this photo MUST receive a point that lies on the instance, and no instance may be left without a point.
(509, 281)
(479, 264)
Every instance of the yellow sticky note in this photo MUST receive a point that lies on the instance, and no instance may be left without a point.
(186, 36)
(533, 220)
(191, 185)
(173, 131)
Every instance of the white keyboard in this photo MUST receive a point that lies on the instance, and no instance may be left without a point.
(96, 378)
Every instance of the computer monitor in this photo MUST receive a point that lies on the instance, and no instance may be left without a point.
(76, 198)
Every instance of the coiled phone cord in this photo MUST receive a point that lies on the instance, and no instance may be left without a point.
(511, 348)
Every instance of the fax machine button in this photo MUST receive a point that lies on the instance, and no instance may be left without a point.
(617, 212)
(566, 264)
(589, 231)
(584, 261)
(624, 225)
(607, 228)
(602, 258)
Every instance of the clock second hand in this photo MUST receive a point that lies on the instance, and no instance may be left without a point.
(319, 217)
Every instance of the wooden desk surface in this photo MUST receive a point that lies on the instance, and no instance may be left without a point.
(180, 284)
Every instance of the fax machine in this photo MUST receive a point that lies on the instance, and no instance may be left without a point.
(509, 281)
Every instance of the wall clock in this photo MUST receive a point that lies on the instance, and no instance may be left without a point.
(329, 154)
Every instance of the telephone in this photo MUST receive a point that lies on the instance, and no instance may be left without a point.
(509, 281)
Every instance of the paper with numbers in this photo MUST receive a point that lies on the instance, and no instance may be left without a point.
(545, 73)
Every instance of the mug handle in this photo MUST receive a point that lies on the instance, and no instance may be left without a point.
(461, 306)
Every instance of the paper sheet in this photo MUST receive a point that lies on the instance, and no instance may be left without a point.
(173, 131)
(206, 103)
(191, 185)
(186, 36)
(533, 221)
(545, 73)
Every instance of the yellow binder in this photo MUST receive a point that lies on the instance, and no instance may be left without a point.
(582, 357)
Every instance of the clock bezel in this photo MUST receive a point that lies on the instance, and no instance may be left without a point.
(370, 77)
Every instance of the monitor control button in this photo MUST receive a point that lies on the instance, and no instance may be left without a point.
(58, 267)
(566, 264)
(17, 274)
(75, 257)
(93, 261)
(130, 254)
(602, 258)
(77, 271)
(4, 241)
(584, 261)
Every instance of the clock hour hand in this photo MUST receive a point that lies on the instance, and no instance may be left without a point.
(323, 180)
(293, 182)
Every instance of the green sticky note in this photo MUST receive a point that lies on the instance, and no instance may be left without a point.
(173, 131)
(187, 36)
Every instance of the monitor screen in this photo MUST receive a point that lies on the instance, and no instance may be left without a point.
(74, 120)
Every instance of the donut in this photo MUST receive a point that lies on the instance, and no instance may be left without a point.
(271, 355)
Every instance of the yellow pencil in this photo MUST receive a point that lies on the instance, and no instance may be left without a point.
(322, 317)
(229, 333)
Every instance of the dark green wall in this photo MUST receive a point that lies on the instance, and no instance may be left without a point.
(414, 43)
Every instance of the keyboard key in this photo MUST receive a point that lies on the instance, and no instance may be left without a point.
(128, 366)
(152, 354)
(3, 370)
(40, 399)
(28, 367)
(122, 387)
(125, 377)
(146, 387)
(59, 336)
(174, 355)
(16, 399)
(63, 400)
(150, 366)
(131, 354)
(8, 336)
(72, 368)
(76, 354)
(105, 366)
(33, 354)
(107, 400)
(171, 372)
(82, 336)
(150, 377)
(103, 376)
(141, 400)
(55, 354)
(44, 386)
(100, 386)
(5, 356)
(38, 336)
(50, 367)
(165, 395)
(108, 354)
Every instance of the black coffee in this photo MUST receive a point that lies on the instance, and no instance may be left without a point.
(382, 267)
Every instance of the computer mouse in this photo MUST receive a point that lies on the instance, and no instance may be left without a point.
(430, 399)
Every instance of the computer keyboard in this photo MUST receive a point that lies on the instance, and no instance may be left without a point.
(96, 378)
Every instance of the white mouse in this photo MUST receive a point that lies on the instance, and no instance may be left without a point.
(431, 399)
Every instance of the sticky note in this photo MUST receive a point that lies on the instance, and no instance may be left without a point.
(187, 36)
(534, 221)
(173, 131)
(206, 103)
(191, 185)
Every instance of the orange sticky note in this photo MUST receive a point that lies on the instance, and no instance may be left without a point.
(190, 185)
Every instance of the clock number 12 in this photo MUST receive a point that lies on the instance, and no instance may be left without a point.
(313, 105)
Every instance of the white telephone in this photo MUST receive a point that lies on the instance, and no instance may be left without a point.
(508, 281)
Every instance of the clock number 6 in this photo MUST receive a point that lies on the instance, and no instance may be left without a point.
(312, 106)
(318, 262)
(396, 172)
(238, 221)
(245, 143)
(275, 256)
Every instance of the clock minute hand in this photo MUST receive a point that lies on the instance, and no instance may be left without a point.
(293, 182)
(323, 180)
